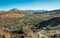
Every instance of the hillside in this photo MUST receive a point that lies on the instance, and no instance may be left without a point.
(11, 15)
(44, 23)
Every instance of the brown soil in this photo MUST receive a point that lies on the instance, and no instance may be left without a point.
(2, 32)
(11, 15)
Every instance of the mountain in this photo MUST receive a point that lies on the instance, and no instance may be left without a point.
(57, 11)
(27, 11)
(14, 9)
(53, 23)
(35, 11)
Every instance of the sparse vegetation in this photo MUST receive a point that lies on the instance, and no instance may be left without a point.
(29, 23)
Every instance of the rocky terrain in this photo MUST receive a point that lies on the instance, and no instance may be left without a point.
(22, 24)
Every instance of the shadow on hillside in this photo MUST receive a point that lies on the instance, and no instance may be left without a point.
(51, 22)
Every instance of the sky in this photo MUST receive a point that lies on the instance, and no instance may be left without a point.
(30, 4)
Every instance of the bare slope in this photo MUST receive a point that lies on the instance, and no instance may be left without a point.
(11, 15)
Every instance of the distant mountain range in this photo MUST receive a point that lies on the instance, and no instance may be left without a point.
(28, 10)
(32, 11)
(57, 11)
(35, 11)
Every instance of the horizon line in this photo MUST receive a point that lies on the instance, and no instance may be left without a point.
(27, 9)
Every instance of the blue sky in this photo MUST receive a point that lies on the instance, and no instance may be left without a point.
(30, 4)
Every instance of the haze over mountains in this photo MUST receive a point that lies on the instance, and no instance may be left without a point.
(17, 10)
(31, 11)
